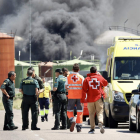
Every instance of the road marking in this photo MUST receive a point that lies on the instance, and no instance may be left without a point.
(30, 131)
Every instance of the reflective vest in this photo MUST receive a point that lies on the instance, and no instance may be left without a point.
(75, 86)
(47, 89)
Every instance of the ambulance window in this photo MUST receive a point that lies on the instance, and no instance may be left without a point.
(127, 68)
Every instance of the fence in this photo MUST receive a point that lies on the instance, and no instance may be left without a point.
(126, 29)
(6, 32)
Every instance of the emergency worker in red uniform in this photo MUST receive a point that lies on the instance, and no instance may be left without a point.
(93, 86)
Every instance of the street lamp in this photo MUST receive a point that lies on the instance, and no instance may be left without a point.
(124, 23)
(80, 54)
(137, 27)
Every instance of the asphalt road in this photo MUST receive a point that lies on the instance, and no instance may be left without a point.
(121, 133)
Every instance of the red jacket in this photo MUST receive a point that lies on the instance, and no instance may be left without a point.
(93, 90)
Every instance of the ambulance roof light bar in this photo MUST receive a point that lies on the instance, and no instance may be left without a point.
(124, 38)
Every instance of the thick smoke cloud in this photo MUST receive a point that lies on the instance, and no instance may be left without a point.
(58, 26)
(126, 9)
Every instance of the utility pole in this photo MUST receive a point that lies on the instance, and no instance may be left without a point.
(30, 31)
(70, 54)
(19, 55)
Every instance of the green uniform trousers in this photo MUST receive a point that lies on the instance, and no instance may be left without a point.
(8, 106)
(29, 102)
(59, 108)
(68, 121)
(23, 114)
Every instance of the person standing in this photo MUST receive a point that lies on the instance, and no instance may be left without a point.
(8, 90)
(29, 89)
(93, 86)
(40, 82)
(41, 88)
(59, 101)
(66, 73)
(44, 100)
(74, 84)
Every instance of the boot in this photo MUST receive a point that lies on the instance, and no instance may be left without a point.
(78, 127)
(72, 124)
(6, 128)
(55, 128)
(42, 119)
(36, 128)
(46, 117)
(63, 128)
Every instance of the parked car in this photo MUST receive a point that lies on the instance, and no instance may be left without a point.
(134, 111)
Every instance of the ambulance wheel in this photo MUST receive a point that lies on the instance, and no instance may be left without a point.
(84, 118)
(105, 119)
(138, 122)
(112, 122)
(88, 121)
(96, 120)
(132, 126)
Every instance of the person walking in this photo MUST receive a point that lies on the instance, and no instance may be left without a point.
(59, 101)
(93, 86)
(29, 89)
(8, 90)
(74, 84)
(44, 100)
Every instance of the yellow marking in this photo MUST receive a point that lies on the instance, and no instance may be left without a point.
(4, 83)
(28, 81)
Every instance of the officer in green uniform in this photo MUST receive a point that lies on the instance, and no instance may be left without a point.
(40, 82)
(29, 89)
(41, 88)
(8, 90)
(60, 101)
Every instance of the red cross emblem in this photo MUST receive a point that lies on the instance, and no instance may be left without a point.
(92, 83)
(74, 78)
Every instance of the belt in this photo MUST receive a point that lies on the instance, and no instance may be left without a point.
(6, 97)
(25, 95)
(61, 92)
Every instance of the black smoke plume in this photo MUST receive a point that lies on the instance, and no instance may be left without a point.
(58, 26)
